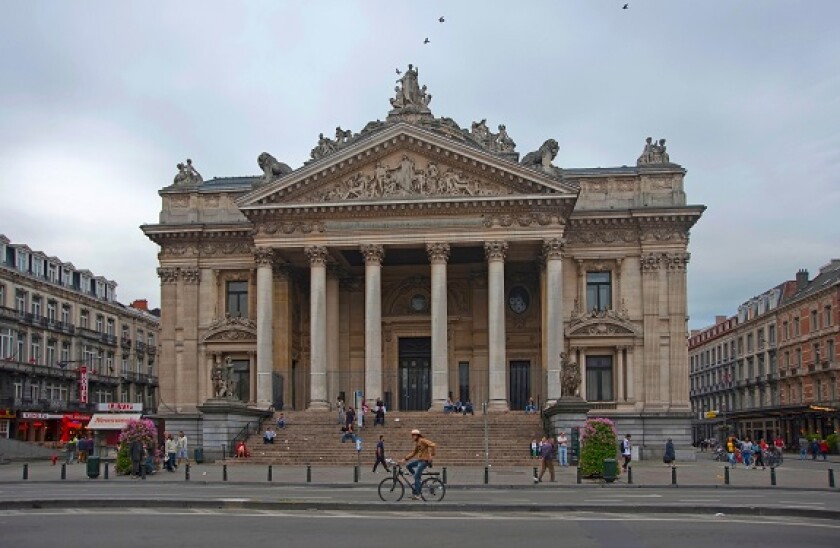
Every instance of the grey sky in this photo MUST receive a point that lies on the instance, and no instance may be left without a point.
(100, 100)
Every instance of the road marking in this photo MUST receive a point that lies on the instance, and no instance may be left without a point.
(699, 500)
(801, 502)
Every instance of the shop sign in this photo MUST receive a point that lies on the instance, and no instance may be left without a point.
(83, 384)
(118, 406)
(29, 415)
(7, 414)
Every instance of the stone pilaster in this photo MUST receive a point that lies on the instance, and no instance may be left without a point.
(168, 318)
(264, 259)
(553, 304)
(676, 265)
(495, 252)
(438, 256)
(649, 367)
(373, 321)
(318, 327)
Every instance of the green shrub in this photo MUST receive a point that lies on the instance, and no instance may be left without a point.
(832, 443)
(599, 441)
(123, 462)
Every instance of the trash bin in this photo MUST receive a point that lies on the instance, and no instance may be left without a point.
(198, 455)
(92, 467)
(610, 470)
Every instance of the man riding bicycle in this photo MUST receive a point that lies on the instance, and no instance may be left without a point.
(423, 455)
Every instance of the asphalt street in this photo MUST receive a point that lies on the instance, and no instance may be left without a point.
(212, 529)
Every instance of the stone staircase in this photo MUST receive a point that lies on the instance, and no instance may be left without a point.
(314, 438)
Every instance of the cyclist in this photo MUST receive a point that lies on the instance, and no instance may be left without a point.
(423, 455)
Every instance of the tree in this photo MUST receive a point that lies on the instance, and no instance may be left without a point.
(599, 441)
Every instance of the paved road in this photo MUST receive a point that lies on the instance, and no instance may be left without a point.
(144, 528)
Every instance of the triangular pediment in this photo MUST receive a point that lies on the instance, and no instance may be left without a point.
(405, 163)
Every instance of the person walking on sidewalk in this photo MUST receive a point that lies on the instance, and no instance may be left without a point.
(670, 453)
(803, 447)
(182, 449)
(547, 456)
(171, 448)
(423, 455)
(626, 452)
(380, 455)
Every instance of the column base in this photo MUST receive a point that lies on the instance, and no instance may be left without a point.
(318, 406)
(498, 406)
(437, 405)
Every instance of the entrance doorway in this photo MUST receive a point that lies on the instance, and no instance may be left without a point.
(520, 384)
(415, 371)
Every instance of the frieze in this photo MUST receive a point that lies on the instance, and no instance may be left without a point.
(663, 234)
(405, 180)
(178, 202)
(605, 235)
(178, 250)
(290, 227)
(676, 261)
(230, 247)
(505, 220)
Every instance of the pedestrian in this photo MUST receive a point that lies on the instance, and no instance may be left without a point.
(72, 445)
(746, 452)
(170, 446)
(803, 447)
(182, 449)
(281, 421)
(339, 406)
(758, 454)
(269, 435)
(824, 449)
(562, 449)
(379, 414)
(349, 417)
(380, 455)
(730, 451)
(135, 452)
(626, 452)
(670, 453)
(815, 448)
(547, 457)
(535, 451)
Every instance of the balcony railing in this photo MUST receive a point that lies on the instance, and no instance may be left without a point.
(141, 346)
(125, 342)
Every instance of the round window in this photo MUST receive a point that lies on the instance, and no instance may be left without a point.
(419, 303)
(518, 300)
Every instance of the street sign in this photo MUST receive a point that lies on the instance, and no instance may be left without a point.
(711, 414)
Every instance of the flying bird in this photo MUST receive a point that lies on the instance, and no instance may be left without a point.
(426, 41)
(399, 71)
(625, 6)
(441, 19)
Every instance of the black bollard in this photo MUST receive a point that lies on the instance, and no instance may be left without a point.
(270, 478)
(308, 473)
(486, 475)
(64, 470)
(142, 470)
(831, 477)
(355, 473)
(578, 475)
(224, 472)
(187, 472)
(629, 475)
(673, 475)
(443, 477)
(107, 466)
(772, 475)
(726, 475)
(26, 471)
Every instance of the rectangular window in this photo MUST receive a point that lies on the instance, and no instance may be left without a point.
(829, 350)
(827, 315)
(36, 306)
(83, 319)
(51, 311)
(51, 352)
(798, 357)
(2, 294)
(816, 350)
(599, 378)
(110, 327)
(771, 334)
(65, 314)
(20, 300)
(796, 327)
(749, 342)
(100, 323)
(65, 352)
(598, 291)
(815, 324)
(7, 344)
(785, 330)
(237, 299)
(109, 363)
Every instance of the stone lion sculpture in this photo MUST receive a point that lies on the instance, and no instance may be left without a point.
(541, 159)
(271, 167)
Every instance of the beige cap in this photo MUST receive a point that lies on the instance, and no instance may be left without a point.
(415, 432)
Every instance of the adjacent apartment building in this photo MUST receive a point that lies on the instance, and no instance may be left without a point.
(66, 345)
(772, 370)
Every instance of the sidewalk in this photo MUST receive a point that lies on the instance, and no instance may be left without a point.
(702, 473)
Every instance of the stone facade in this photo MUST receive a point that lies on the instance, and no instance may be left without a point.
(417, 261)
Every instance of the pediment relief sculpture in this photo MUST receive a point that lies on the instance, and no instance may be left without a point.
(231, 328)
(405, 179)
(601, 322)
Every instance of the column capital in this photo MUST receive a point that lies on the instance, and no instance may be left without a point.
(438, 252)
(676, 261)
(553, 248)
(317, 254)
(650, 261)
(191, 275)
(495, 250)
(373, 253)
(263, 256)
(167, 275)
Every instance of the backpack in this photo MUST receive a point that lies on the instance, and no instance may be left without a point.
(621, 447)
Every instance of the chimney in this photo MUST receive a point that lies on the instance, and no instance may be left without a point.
(801, 279)
(719, 319)
(143, 304)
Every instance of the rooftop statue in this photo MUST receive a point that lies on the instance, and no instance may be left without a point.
(187, 174)
(272, 168)
(541, 159)
(653, 153)
(408, 94)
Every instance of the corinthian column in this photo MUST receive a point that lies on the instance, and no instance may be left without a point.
(553, 253)
(438, 256)
(318, 328)
(373, 320)
(264, 257)
(495, 252)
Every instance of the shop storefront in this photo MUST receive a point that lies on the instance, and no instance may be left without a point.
(107, 426)
(6, 417)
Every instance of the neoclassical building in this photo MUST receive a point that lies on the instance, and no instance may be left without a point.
(415, 261)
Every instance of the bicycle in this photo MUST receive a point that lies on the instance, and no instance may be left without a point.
(393, 489)
(773, 458)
